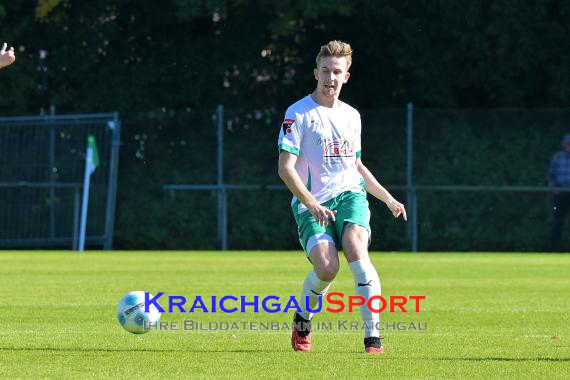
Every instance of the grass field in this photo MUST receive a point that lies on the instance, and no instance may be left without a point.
(487, 315)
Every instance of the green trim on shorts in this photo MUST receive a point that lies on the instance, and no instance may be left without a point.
(359, 154)
(351, 207)
(288, 148)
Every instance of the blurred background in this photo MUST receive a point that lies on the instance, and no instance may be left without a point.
(463, 106)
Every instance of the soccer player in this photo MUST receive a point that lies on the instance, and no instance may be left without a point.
(320, 162)
(7, 57)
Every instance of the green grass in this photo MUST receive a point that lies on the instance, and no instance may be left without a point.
(487, 315)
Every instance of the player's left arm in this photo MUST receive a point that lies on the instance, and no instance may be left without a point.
(378, 191)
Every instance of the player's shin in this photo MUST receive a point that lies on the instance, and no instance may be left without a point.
(313, 288)
(367, 284)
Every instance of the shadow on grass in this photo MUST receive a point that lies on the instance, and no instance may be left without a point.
(551, 360)
(248, 350)
(154, 350)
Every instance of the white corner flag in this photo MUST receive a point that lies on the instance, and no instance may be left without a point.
(91, 163)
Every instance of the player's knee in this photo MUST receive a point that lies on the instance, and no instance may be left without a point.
(355, 242)
(324, 256)
(356, 255)
(327, 272)
(355, 250)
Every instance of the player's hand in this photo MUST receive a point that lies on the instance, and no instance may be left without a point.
(397, 208)
(322, 214)
(7, 57)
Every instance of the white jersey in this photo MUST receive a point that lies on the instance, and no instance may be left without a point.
(327, 143)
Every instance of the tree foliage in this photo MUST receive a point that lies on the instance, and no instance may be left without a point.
(139, 55)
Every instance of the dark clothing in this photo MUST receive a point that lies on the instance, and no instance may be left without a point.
(559, 176)
(559, 172)
(561, 208)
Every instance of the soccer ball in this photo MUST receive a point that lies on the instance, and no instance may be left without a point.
(131, 313)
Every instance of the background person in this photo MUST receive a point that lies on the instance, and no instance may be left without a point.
(559, 176)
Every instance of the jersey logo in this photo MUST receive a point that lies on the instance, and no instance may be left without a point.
(338, 149)
(286, 126)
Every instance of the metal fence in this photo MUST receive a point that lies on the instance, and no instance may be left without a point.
(432, 169)
(471, 179)
(42, 161)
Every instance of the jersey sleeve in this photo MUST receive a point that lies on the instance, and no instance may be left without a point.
(357, 138)
(290, 134)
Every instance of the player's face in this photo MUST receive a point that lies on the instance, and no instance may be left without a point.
(331, 74)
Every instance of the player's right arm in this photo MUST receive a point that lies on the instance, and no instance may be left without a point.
(289, 175)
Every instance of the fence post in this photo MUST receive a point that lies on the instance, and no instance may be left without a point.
(76, 211)
(411, 196)
(222, 196)
(414, 220)
(52, 167)
(115, 126)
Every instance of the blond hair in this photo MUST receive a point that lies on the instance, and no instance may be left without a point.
(335, 49)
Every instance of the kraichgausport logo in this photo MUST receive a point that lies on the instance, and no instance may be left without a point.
(339, 325)
(273, 304)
